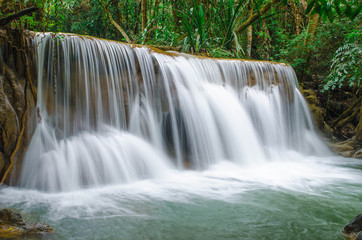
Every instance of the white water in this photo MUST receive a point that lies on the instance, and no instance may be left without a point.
(335, 179)
(115, 114)
(289, 197)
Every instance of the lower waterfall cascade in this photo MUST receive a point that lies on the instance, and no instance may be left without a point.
(115, 113)
(130, 142)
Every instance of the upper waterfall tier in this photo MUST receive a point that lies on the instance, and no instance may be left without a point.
(111, 112)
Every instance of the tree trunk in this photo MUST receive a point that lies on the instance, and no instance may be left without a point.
(266, 41)
(144, 14)
(137, 10)
(119, 28)
(359, 127)
(153, 24)
(256, 15)
(348, 112)
(118, 16)
(155, 7)
(175, 12)
(311, 29)
(297, 17)
(127, 17)
(313, 25)
(249, 34)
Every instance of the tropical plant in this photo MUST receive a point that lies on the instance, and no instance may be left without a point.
(346, 65)
(329, 9)
(196, 28)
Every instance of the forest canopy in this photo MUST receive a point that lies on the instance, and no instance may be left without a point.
(327, 33)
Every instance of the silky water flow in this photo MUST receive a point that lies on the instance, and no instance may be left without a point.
(181, 147)
(116, 114)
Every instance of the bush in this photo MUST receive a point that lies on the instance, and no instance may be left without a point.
(346, 65)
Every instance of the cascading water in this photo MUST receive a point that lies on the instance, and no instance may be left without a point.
(113, 113)
(133, 143)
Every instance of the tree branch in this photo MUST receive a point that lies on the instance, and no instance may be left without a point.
(347, 112)
(8, 19)
(119, 28)
(348, 119)
(255, 16)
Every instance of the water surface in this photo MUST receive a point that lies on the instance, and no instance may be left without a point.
(300, 198)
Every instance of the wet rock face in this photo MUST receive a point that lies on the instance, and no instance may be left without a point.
(12, 224)
(9, 128)
(312, 101)
(169, 138)
(15, 97)
(353, 230)
(10, 217)
(349, 148)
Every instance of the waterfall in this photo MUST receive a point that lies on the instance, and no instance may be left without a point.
(113, 113)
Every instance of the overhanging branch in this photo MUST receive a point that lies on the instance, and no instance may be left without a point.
(255, 16)
(8, 19)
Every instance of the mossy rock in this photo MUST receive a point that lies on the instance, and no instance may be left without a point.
(12, 225)
(312, 101)
(310, 96)
(353, 230)
(317, 114)
(349, 148)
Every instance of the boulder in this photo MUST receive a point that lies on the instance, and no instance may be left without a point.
(348, 148)
(358, 154)
(12, 224)
(16, 98)
(313, 104)
(353, 230)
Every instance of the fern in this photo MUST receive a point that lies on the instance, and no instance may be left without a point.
(345, 67)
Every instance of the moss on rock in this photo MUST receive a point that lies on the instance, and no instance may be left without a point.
(12, 225)
(317, 112)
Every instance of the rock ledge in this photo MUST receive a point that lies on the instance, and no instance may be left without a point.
(12, 224)
(353, 230)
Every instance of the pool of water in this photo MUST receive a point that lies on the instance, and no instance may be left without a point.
(311, 198)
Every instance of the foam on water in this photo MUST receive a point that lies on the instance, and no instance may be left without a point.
(225, 181)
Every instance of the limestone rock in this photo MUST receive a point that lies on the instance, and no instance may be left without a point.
(2, 161)
(348, 148)
(12, 224)
(312, 101)
(358, 154)
(9, 128)
(317, 113)
(353, 230)
(15, 98)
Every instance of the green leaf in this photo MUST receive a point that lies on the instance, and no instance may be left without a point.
(356, 12)
(324, 14)
(348, 11)
(336, 5)
(310, 6)
(323, 2)
(331, 16)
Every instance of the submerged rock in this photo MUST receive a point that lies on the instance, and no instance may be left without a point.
(348, 148)
(12, 224)
(353, 230)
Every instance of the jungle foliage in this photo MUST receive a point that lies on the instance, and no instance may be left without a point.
(325, 33)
